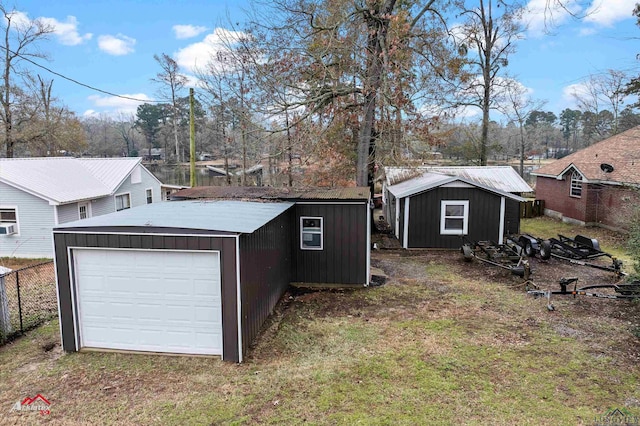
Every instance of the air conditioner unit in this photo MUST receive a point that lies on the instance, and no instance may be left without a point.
(8, 229)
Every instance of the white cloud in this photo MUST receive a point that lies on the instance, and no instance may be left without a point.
(114, 105)
(19, 19)
(67, 32)
(197, 55)
(542, 16)
(608, 12)
(188, 31)
(116, 45)
(570, 92)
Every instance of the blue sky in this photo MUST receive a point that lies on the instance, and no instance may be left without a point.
(110, 45)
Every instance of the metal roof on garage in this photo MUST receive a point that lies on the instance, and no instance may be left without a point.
(224, 216)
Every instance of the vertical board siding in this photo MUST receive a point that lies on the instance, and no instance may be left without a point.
(35, 222)
(226, 247)
(343, 259)
(424, 217)
(512, 217)
(265, 273)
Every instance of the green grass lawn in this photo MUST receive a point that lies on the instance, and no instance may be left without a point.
(442, 342)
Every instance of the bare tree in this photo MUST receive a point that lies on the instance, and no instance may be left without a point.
(518, 106)
(20, 40)
(173, 82)
(489, 37)
(603, 91)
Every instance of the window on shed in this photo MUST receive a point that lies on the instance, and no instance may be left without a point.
(123, 201)
(454, 217)
(149, 196)
(8, 215)
(576, 184)
(311, 233)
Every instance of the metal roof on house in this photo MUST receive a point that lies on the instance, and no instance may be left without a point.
(269, 193)
(430, 181)
(503, 178)
(224, 216)
(621, 151)
(61, 180)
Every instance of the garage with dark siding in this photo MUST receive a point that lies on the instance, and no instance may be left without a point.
(251, 242)
(201, 276)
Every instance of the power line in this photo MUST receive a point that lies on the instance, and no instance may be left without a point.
(78, 82)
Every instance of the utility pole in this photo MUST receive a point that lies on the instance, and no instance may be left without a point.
(192, 139)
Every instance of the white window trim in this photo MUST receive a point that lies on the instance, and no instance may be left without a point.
(88, 204)
(115, 200)
(302, 247)
(146, 198)
(465, 218)
(14, 207)
(574, 182)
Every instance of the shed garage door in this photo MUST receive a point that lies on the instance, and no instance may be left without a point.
(160, 301)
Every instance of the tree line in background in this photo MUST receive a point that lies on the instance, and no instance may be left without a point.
(332, 87)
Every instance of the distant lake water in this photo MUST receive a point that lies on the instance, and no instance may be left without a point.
(180, 175)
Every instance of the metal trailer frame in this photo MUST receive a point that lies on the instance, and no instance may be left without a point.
(580, 250)
(627, 291)
(507, 256)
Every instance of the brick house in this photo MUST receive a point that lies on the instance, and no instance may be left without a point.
(598, 185)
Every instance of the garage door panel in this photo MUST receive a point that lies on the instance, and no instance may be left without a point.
(159, 301)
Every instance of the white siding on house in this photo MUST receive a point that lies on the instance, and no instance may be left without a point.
(138, 191)
(103, 206)
(35, 222)
(68, 213)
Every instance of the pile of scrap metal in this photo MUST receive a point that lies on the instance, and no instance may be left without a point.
(508, 256)
(580, 250)
(621, 291)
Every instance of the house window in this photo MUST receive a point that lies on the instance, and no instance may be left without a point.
(149, 196)
(8, 215)
(83, 210)
(454, 217)
(311, 233)
(123, 201)
(576, 184)
(8, 220)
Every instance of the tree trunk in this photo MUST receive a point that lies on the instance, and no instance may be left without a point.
(378, 24)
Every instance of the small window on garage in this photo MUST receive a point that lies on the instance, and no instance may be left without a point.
(123, 201)
(149, 196)
(576, 184)
(311, 233)
(454, 217)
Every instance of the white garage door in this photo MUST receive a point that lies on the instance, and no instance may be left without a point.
(160, 301)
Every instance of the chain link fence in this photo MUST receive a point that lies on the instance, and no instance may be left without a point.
(27, 299)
